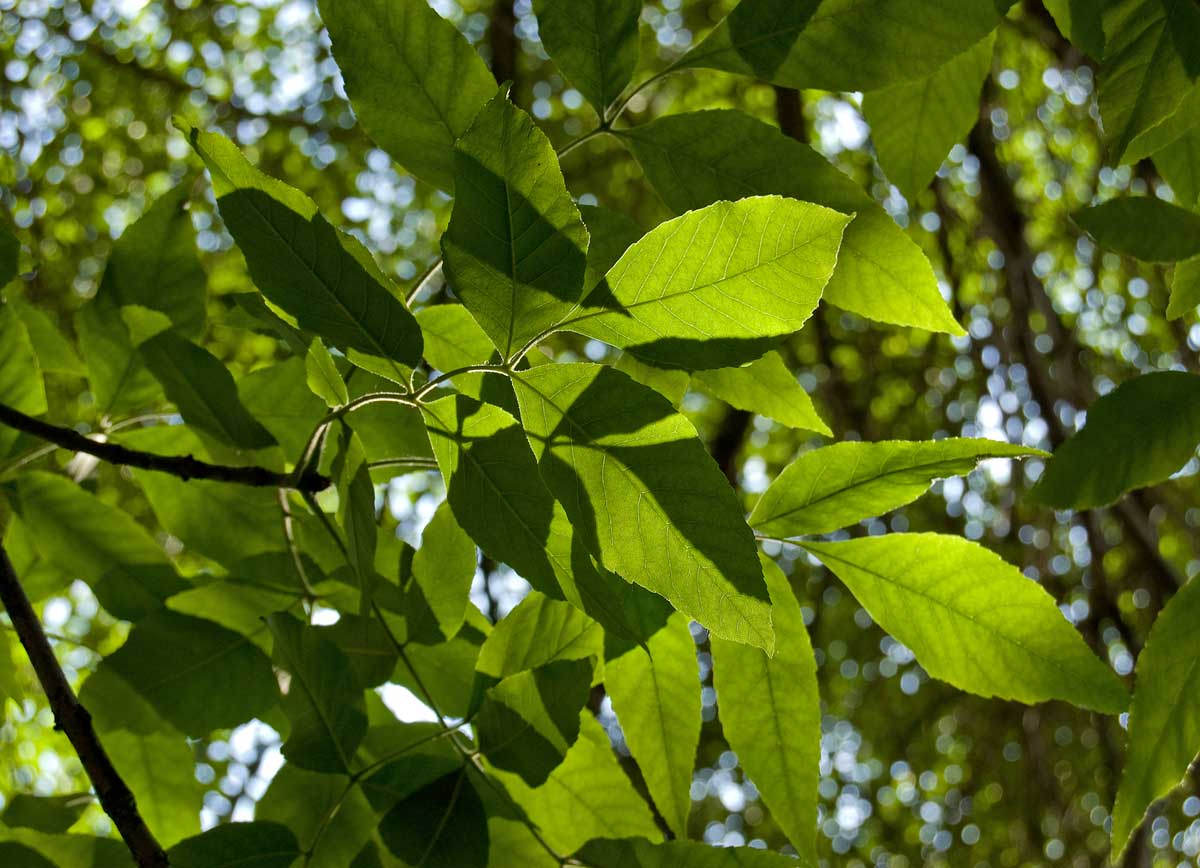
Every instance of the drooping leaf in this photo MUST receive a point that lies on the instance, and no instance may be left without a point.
(644, 495)
(323, 700)
(492, 485)
(770, 713)
(1151, 58)
(238, 845)
(21, 384)
(304, 265)
(539, 631)
(442, 825)
(1081, 22)
(415, 83)
(698, 158)
(1136, 435)
(594, 43)
(916, 123)
(323, 376)
(443, 568)
(514, 249)
(639, 853)
(105, 547)
(850, 45)
(1164, 717)
(184, 666)
(765, 387)
(1179, 164)
(1143, 227)
(588, 796)
(836, 486)
(716, 287)
(972, 619)
(655, 691)
(160, 770)
(1185, 288)
(203, 390)
(529, 720)
(50, 814)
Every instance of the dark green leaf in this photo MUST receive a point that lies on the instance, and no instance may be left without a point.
(323, 376)
(50, 814)
(443, 569)
(442, 825)
(323, 699)
(414, 82)
(971, 619)
(279, 399)
(55, 354)
(238, 845)
(698, 158)
(1179, 164)
(637, 853)
(838, 485)
(644, 495)
(20, 856)
(304, 265)
(20, 376)
(330, 818)
(716, 287)
(10, 252)
(1185, 288)
(356, 512)
(365, 642)
(1081, 22)
(594, 43)
(160, 769)
(611, 234)
(1136, 435)
(1144, 228)
(514, 249)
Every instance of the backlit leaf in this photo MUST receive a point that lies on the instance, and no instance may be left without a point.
(765, 387)
(594, 43)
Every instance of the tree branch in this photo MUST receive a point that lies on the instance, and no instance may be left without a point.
(183, 466)
(72, 719)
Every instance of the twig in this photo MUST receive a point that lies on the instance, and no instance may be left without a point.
(71, 718)
(183, 466)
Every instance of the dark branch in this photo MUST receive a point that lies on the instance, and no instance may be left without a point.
(72, 719)
(183, 466)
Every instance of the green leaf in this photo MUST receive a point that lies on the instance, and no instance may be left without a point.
(1081, 22)
(386, 430)
(594, 43)
(1143, 227)
(103, 546)
(443, 569)
(492, 485)
(446, 670)
(10, 685)
(539, 631)
(304, 265)
(366, 643)
(77, 851)
(279, 398)
(50, 814)
(116, 374)
(1151, 59)
(1137, 435)
(203, 390)
(55, 354)
(588, 796)
(836, 486)
(356, 511)
(765, 387)
(644, 494)
(771, 715)
(971, 619)
(442, 825)
(184, 666)
(323, 699)
(529, 721)
(238, 845)
(21, 384)
(611, 234)
(454, 340)
(13, 853)
(329, 817)
(414, 82)
(238, 604)
(698, 158)
(222, 521)
(1164, 717)
(514, 249)
(323, 377)
(916, 123)
(716, 287)
(638, 853)
(849, 45)
(655, 691)
(1179, 164)
(10, 253)
(1185, 288)
(670, 383)
(160, 769)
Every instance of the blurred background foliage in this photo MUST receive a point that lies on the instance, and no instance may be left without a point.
(913, 771)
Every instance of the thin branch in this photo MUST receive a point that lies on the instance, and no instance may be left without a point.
(71, 718)
(183, 466)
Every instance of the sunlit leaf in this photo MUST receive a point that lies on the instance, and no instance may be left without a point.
(765, 387)
(539, 631)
